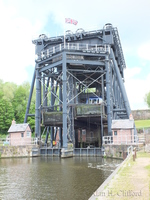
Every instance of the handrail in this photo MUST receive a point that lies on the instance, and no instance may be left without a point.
(128, 149)
(121, 139)
(118, 43)
(17, 141)
(94, 48)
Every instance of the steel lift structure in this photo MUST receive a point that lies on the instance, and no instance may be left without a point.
(79, 86)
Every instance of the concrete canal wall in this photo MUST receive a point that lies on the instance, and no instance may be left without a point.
(116, 151)
(18, 151)
(110, 151)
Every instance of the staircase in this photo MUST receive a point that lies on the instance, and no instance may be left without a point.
(141, 137)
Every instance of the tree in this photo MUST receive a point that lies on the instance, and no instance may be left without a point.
(31, 120)
(13, 103)
(6, 113)
(20, 101)
(147, 99)
(6, 108)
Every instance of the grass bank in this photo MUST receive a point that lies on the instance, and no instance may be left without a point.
(142, 123)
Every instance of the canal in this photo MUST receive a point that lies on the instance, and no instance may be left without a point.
(47, 178)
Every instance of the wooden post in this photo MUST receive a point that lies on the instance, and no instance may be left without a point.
(133, 153)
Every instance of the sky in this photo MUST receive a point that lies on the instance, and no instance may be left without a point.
(22, 21)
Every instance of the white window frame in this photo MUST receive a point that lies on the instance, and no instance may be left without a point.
(28, 134)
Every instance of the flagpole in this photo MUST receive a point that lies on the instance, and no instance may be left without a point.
(69, 21)
(64, 40)
(64, 35)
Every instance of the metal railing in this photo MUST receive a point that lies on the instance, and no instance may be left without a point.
(18, 141)
(93, 48)
(118, 43)
(121, 139)
(130, 150)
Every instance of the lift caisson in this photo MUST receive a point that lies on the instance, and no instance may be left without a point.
(79, 86)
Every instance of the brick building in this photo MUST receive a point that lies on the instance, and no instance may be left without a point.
(123, 131)
(19, 134)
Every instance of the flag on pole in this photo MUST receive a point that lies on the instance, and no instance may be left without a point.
(71, 21)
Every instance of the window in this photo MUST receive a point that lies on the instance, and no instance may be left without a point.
(22, 134)
(92, 134)
(83, 132)
(115, 132)
(28, 134)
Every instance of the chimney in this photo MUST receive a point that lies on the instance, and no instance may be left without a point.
(131, 117)
(13, 122)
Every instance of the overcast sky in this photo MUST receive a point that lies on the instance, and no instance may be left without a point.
(23, 20)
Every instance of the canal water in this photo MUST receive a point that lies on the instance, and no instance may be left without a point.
(46, 178)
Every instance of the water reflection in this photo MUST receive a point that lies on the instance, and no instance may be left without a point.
(52, 177)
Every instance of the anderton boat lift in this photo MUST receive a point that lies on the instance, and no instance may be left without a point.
(79, 80)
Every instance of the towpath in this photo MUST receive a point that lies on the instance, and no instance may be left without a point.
(132, 181)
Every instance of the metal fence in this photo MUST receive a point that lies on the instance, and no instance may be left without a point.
(146, 130)
(94, 48)
(17, 142)
(121, 139)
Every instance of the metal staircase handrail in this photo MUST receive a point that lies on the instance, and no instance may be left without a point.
(118, 43)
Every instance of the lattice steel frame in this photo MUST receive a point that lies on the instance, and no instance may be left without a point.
(96, 52)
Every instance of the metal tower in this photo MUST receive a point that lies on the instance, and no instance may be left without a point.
(79, 86)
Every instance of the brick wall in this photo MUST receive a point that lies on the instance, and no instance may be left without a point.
(123, 136)
(17, 139)
(141, 114)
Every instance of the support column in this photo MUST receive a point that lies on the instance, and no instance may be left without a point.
(30, 97)
(102, 108)
(115, 96)
(47, 133)
(52, 107)
(45, 95)
(38, 103)
(65, 152)
(108, 95)
(44, 90)
(60, 109)
(121, 85)
(64, 69)
(111, 90)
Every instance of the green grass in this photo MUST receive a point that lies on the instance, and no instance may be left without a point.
(142, 123)
(148, 168)
(143, 154)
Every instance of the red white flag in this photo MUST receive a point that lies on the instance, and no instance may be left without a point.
(71, 21)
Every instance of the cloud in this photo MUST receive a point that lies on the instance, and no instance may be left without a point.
(131, 72)
(22, 20)
(144, 51)
(17, 51)
(136, 88)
